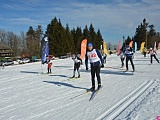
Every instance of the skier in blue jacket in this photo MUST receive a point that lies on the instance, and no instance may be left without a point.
(96, 62)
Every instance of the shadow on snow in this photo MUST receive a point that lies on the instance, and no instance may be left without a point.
(29, 72)
(64, 84)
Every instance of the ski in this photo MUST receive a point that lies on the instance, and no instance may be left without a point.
(128, 72)
(73, 78)
(94, 93)
(88, 91)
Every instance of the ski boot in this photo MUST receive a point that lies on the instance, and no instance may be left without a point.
(99, 86)
(92, 89)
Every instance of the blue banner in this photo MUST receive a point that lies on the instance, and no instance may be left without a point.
(44, 49)
(135, 46)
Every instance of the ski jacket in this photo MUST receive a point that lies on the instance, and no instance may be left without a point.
(152, 52)
(77, 60)
(49, 65)
(122, 55)
(94, 57)
(128, 52)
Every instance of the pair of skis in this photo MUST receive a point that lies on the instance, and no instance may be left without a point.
(88, 91)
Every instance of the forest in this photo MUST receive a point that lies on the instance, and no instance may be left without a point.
(63, 39)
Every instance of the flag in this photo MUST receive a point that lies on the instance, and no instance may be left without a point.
(131, 44)
(142, 46)
(135, 46)
(119, 48)
(44, 49)
(105, 48)
(159, 45)
(83, 48)
(155, 46)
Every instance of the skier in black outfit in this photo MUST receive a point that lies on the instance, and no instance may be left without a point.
(122, 57)
(153, 53)
(77, 62)
(96, 63)
(129, 54)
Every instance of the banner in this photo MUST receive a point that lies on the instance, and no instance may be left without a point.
(155, 46)
(119, 48)
(159, 45)
(131, 44)
(44, 49)
(83, 48)
(142, 46)
(135, 46)
(105, 51)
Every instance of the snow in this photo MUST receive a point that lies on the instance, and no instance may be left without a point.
(27, 94)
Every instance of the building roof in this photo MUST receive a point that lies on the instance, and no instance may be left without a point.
(3, 46)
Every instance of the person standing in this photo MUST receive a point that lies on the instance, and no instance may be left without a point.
(153, 54)
(129, 57)
(49, 66)
(104, 57)
(77, 62)
(122, 57)
(96, 62)
(144, 51)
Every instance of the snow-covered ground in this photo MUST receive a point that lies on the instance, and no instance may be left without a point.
(26, 94)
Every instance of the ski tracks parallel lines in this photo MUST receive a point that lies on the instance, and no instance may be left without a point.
(118, 108)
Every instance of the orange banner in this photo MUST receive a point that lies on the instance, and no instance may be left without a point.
(131, 44)
(83, 48)
(119, 48)
(159, 45)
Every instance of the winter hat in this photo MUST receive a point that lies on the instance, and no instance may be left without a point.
(90, 44)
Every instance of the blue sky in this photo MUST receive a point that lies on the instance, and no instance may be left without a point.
(114, 18)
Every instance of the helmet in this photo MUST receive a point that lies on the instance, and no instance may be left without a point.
(90, 44)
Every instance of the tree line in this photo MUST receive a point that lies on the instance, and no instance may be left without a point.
(64, 40)
(145, 32)
(24, 44)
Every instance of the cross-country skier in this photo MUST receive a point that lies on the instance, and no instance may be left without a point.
(129, 54)
(49, 66)
(104, 57)
(144, 51)
(122, 57)
(153, 54)
(96, 62)
(77, 62)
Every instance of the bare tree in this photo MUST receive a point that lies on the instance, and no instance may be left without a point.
(2, 35)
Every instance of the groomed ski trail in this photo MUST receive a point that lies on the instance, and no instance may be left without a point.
(118, 108)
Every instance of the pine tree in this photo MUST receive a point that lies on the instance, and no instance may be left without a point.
(141, 33)
(151, 36)
(69, 40)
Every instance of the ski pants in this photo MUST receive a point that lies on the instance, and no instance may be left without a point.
(95, 70)
(49, 70)
(154, 57)
(76, 67)
(122, 61)
(129, 58)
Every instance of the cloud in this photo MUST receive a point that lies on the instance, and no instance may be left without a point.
(113, 18)
(24, 21)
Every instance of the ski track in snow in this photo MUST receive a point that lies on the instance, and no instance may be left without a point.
(26, 94)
